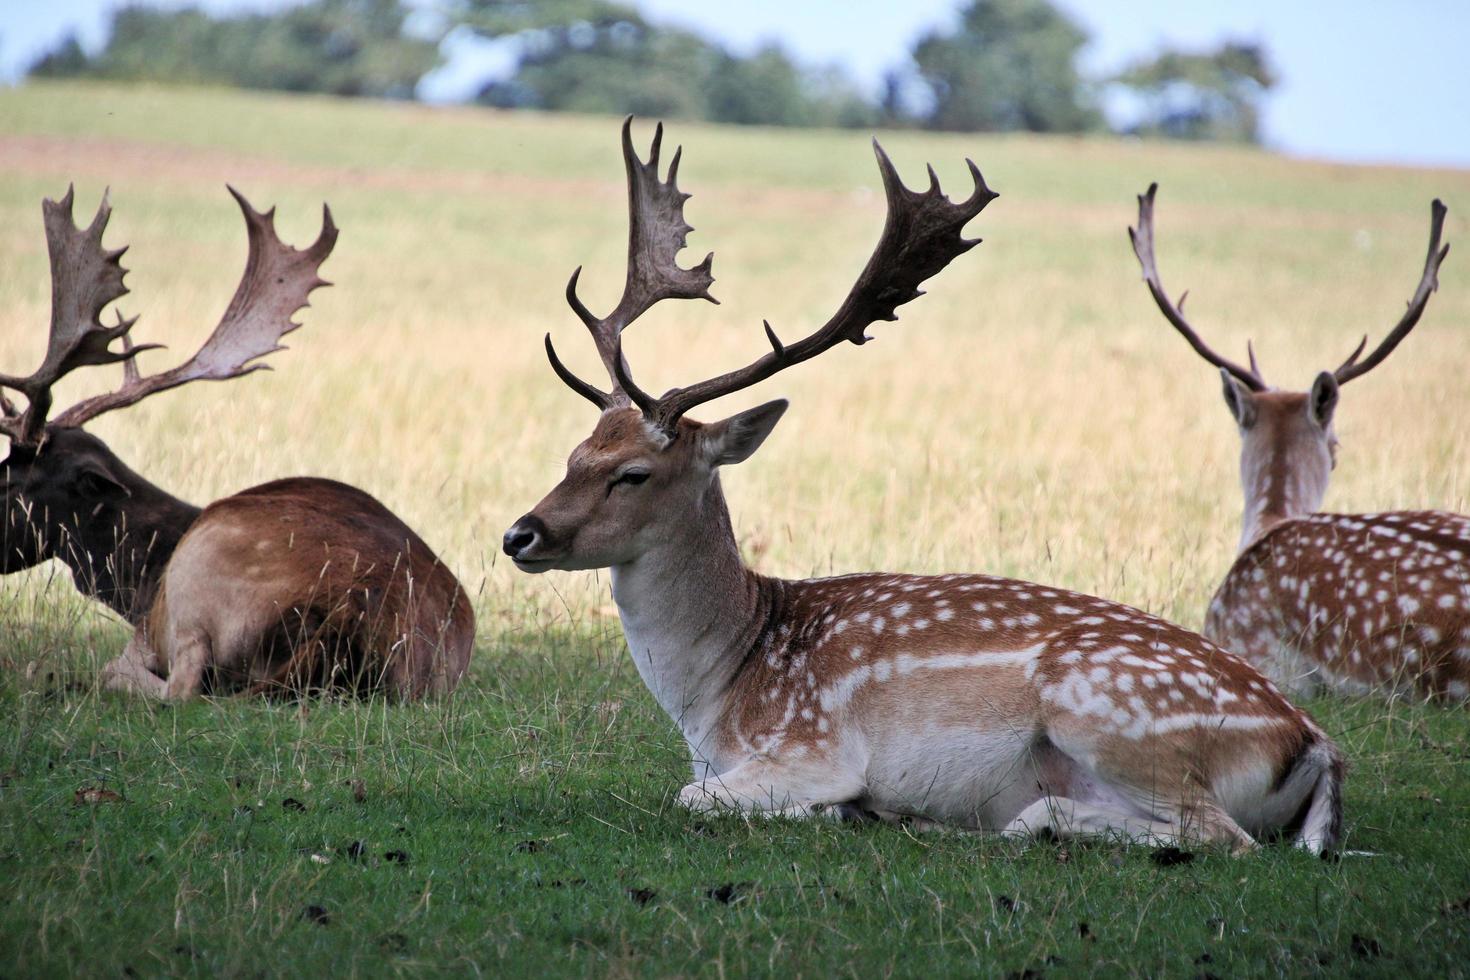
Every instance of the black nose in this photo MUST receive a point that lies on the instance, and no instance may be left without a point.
(523, 535)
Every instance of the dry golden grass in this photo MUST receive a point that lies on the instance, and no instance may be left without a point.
(1032, 416)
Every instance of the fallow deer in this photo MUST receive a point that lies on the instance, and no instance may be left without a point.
(961, 700)
(1355, 603)
(294, 584)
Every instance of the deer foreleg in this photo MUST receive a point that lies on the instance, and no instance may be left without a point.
(129, 671)
(766, 787)
(186, 666)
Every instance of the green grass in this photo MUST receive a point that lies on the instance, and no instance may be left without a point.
(526, 827)
(1032, 416)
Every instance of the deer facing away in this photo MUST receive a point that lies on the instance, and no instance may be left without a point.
(1355, 603)
(962, 700)
(294, 584)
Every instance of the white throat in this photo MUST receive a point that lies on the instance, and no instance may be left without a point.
(686, 608)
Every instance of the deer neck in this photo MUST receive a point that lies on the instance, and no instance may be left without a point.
(1276, 491)
(118, 554)
(691, 613)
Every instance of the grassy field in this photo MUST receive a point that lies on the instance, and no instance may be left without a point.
(1032, 416)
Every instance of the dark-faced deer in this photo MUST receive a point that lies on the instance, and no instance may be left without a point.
(295, 584)
(1350, 602)
(962, 700)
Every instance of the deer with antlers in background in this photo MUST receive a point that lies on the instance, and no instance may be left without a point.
(961, 700)
(1355, 603)
(295, 584)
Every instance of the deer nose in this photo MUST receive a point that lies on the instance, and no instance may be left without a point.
(523, 535)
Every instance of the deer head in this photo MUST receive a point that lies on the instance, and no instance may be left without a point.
(648, 472)
(66, 494)
(1288, 445)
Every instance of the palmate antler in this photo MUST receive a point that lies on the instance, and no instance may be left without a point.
(922, 235)
(1142, 238)
(656, 234)
(86, 277)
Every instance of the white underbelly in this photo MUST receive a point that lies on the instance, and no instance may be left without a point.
(962, 776)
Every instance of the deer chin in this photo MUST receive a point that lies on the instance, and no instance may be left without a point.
(537, 565)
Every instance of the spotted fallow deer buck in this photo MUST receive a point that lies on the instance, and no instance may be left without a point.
(1356, 603)
(294, 584)
(961, 700)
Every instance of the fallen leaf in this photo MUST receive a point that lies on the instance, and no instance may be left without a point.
(93, 795)
(729, 892)
(642, 896)
(1167, 857)
(1365, 947)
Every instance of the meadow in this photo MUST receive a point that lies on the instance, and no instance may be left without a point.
(1031, 416)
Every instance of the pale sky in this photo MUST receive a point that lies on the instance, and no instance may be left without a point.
(1360, 81)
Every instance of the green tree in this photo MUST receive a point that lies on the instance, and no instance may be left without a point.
(1011, 65)
(599, 56)
(614, 63)
(1213, 95)
(342, 47)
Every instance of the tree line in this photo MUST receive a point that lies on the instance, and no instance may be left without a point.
(1006, 65)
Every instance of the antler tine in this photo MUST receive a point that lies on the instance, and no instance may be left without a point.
(1428, 283)
(1142, 238)
(276, 283)
(921, 235)
(1353, 357)
(85, 278)
(656, 234)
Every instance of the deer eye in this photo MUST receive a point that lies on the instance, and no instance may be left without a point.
(630, 478)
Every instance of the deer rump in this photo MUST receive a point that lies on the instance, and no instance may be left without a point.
(303, 585)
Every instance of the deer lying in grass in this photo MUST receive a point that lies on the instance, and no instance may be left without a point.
(1355, 603)
(294, 584)
(963, 700)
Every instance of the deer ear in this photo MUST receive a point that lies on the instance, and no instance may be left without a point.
(737, 437)
(1323, 400)
(96, 481)
(1239, 401)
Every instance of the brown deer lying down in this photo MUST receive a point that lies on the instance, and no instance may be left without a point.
(964, 700)
(295, 584)
(1354, 603)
